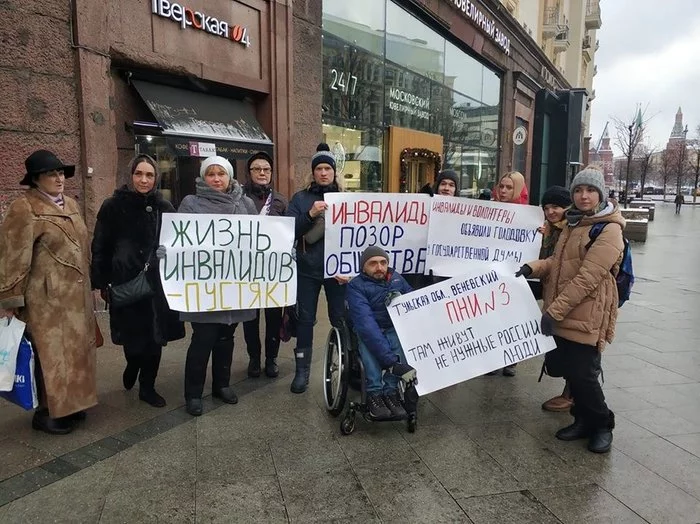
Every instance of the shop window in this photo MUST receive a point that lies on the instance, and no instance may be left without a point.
(360, 23)
(359, 156)
(492, 88)
(463, 73)
(408, 102)
(413, 45)
(520, 151)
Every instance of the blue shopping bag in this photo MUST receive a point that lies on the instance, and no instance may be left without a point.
(24, 391)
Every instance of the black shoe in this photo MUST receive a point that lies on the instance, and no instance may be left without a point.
(377, 408)
(601, 441)
(575, 431)
(393, 402)
(54, 426)
(225, 394)
(509, 371)
(406, 372)
(271, 369)
(194, 406)
(254, 367)
(131, 373)
(150, 396)
(301, 375)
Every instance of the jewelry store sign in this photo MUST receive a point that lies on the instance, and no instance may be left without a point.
(189, 18)
(405, 102)
(483, 22)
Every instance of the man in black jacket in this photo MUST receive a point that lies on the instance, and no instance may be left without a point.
(271, 203)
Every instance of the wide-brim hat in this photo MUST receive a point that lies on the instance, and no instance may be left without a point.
(43, 161)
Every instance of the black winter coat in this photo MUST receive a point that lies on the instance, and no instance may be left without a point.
(259, 195)
(126, 236)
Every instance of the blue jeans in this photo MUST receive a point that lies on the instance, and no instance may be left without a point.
(308, 290)
(374, 382)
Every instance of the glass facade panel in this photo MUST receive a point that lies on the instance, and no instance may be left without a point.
(384, 67)
(410, 43)
(359, 154)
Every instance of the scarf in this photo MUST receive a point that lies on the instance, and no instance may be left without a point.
(549, 239)
(317, 189)
(573, 216)
(58, 199)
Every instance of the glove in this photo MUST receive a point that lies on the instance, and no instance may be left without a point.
(547, 324)
(427, 189)
(161, 252)
(524, 271)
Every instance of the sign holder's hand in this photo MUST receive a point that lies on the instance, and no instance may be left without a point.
(7, 313)
(547, 324)
(524, 271)
(318, 208)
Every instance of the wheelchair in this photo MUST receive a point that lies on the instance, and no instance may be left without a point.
(343, 370)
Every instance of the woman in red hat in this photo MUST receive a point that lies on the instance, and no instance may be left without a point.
(45, 281)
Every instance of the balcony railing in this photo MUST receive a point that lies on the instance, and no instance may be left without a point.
(593, 19)
(554, 22)
(561, 42)
(586, 48)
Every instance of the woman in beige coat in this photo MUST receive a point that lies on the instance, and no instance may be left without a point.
(580, 304)
(45, 281)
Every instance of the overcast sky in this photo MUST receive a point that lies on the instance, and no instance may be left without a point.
(649, 54)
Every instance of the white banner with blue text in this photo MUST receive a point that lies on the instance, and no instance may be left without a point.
(467, 233)
(224, 262)
(396, 222)
(467, 326)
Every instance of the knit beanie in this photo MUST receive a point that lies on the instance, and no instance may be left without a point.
(217, 161)
(590, 176)
(323, 156)
(557, 196)
(260, 155)
(447, 174)
(372, 251)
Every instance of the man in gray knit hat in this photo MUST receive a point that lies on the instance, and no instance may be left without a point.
(368, 297)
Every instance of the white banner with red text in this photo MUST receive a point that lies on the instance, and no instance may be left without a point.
(396, 222)
(467, 233)
(224, 262)
(467, 326)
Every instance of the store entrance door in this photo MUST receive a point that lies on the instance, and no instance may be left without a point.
(407, 173)
(418, 173)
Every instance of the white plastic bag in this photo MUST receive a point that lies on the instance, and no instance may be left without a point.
(11, 332)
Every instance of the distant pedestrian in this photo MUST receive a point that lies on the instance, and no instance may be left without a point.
(125, 240)
(580, 305)
(679, 201)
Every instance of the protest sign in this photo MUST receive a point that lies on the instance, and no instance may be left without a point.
(467, 326)
(396, 222)
(481, 232)
(223, 262)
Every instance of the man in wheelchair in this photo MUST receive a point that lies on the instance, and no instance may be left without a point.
(368, 296)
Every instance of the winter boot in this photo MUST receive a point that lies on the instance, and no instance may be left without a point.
(271, 369)
(254, 367)
(301, 376)
(393, 402)
(578, 430)
(377, 408)
(601, 438)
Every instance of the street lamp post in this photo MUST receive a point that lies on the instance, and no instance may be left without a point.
(681, 160)
(629, 162)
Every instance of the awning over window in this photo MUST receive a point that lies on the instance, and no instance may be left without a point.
(191, 114)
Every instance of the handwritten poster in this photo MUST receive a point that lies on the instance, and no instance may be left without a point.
(467, 326)
(396, 222)
(465, 232)
(222, 262)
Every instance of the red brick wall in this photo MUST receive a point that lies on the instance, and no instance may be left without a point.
(39, 103)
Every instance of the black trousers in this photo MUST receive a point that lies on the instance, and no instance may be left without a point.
(146, 356)
(579, 364)
(251, 331)
(208, 339)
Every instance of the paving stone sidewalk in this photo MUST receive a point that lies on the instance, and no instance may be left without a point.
(484, 451)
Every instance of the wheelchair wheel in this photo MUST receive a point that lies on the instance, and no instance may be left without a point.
(347, 425)
(335, 372)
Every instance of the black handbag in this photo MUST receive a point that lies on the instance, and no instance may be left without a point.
(135, 290)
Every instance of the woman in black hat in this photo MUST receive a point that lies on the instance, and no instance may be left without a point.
(125, 240)
(45, 281)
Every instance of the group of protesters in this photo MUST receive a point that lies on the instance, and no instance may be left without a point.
(48, 269)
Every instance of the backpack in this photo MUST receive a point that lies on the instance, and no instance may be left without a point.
(625, 275)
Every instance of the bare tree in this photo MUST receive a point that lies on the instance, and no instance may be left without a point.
(666, 167)
(644, 161)
(628, 137)
(695, 164)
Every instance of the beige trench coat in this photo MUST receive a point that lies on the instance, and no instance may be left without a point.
(45, 275)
